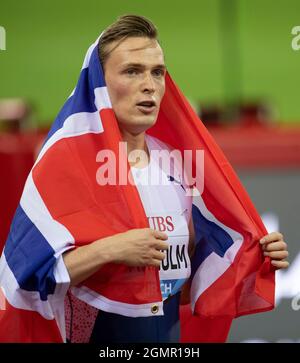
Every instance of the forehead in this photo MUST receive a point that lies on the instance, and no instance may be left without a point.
(136, 49)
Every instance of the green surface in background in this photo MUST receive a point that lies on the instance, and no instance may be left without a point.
(46, 43)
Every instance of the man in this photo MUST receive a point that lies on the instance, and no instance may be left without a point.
(115, 291)
(135, 71)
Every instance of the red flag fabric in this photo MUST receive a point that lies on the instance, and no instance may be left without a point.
(63, 207)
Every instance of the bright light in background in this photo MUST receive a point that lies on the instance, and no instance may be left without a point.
(288, 282)
(271, 221)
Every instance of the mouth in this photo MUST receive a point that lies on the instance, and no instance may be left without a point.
(146, 107)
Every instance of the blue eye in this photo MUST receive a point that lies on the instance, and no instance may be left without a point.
(158, 72)
(131, 71)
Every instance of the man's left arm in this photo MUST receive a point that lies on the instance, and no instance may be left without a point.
(273, 245)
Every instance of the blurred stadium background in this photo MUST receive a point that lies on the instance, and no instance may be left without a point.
(234, 61)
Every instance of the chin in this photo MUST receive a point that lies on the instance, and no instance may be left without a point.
(138, 129)
(140, 124)
(146, 125)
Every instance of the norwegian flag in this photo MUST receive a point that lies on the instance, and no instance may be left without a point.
(62, 207)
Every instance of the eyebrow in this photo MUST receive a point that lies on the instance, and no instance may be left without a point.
(139, 65)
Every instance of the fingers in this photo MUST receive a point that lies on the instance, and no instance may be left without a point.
(271, 237)
(160, 245)
(158, 255)
(159, 235)
(280, 264)
(275, 246)
(277, 255)
(273, 242)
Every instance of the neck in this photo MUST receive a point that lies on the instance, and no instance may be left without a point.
(137, 143)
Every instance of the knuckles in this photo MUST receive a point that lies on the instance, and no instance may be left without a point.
(276, 246)
(280, 235)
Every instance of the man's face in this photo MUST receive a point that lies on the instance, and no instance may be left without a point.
(135, 79)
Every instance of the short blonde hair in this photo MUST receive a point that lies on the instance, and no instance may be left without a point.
(125, 26)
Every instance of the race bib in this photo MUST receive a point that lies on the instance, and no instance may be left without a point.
(176, 264)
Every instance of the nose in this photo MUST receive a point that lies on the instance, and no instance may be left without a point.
(148, 85)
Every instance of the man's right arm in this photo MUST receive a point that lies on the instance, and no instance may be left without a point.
(136, 247)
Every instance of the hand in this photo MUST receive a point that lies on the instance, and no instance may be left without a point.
(136, 247)
(274, 246)
(139, 247)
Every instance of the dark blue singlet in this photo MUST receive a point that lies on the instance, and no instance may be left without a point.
(115, 328)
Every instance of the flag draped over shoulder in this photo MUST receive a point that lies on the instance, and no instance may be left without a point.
(230, 277)
(63, 207)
